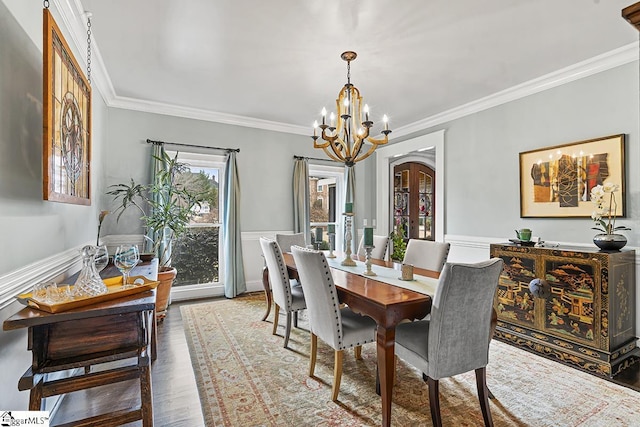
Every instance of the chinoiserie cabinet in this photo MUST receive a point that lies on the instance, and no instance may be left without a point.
(584, 315)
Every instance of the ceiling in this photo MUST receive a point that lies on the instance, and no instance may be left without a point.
(278, 62)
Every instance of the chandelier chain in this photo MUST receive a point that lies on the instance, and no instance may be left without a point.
(89, 49)
(46, 4)
(349, 72)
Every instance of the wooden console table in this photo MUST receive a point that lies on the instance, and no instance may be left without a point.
(87, 337)
(585, 318)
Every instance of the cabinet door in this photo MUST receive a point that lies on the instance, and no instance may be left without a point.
(514, 302)
(570, 310)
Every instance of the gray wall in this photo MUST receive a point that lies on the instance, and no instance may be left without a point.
(32, 229)
(482, 163)
(265, 162)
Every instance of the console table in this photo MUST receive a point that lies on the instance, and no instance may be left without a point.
(586, 315)
(86, 337)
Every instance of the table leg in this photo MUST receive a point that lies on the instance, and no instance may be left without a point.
(267, 291)
(386, 345)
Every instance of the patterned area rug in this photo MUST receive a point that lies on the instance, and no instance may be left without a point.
(246, 378)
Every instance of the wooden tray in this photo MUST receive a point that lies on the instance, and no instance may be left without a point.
(114, 291)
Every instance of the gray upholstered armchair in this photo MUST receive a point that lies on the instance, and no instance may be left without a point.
(456, 338)
(286, 295)
(341, 328)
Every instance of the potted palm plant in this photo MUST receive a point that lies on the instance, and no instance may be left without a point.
(166, 207)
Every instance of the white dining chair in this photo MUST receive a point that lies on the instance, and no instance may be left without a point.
(426, 254)
(287, 294)
(285, 241)
(379, 250)
(340, 328)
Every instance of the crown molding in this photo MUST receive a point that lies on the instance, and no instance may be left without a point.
(207, 115)
(73, 18)
(597, 64)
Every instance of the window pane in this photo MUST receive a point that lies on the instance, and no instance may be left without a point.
(195, 254)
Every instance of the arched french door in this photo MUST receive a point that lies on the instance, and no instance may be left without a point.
(414, 195)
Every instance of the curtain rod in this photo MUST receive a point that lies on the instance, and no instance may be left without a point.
(149, 141)
(314, 158)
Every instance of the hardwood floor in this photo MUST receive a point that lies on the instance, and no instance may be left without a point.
(175, 395)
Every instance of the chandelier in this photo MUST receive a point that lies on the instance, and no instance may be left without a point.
(346, 142)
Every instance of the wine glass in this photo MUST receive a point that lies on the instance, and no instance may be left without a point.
(101, 258)
(126, 257)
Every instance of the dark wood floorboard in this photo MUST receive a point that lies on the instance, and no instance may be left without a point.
(175, 394)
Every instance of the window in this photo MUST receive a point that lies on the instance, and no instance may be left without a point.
(196, 255)
(325, 190)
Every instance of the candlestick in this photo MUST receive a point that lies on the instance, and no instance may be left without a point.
(368, 271)
(318, 236)
(368, 236)
(348, 261)
(332, 244)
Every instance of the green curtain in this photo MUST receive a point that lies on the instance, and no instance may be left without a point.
(301, 206)
(350, 197)
(158, 165)
(234, 280)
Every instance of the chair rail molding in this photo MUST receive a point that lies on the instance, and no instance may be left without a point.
(55, 268)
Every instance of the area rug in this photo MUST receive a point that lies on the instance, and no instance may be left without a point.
(246, 378)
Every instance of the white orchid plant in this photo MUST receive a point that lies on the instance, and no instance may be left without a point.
(605, 214)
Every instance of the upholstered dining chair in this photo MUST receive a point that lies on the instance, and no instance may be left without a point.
(287, 294)
(285, 241)
(426, 254)
(456, 338)
(379, 250)
(340, 328)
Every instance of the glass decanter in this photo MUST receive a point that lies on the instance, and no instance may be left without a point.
(89, 283)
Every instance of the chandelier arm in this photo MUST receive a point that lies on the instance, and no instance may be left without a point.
(340, 149)
(367, 154)
(332, 156)
(380, 141)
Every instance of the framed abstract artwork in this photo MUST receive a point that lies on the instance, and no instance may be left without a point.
(66, 152)
(556, 182)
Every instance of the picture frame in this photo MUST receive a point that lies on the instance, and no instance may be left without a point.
(556, 182)
(66, 153)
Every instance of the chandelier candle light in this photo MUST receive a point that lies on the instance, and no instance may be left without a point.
(345, 142)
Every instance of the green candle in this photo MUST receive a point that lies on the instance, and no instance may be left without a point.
(318, 234)
(331, 229)
(348, 207)
(368, 236)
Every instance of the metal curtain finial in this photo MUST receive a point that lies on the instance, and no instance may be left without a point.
(46, 4)
(89, 14)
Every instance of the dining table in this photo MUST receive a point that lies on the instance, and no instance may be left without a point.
(384, 298)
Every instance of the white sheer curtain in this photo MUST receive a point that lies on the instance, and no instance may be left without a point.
(301, 206)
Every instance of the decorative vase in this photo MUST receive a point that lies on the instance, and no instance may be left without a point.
(166, 275)
(609, 242)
